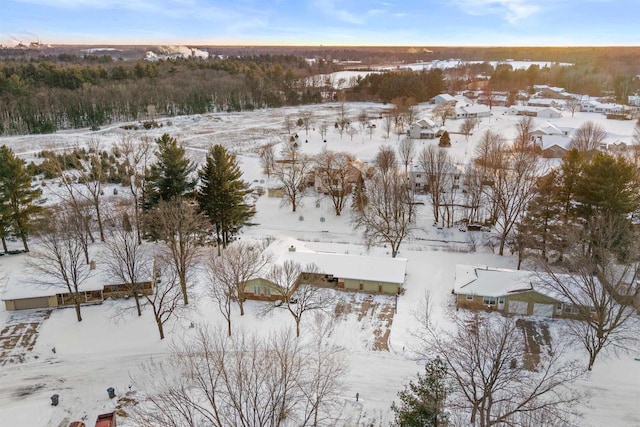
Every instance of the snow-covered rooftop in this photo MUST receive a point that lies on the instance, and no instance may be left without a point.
(342, 265)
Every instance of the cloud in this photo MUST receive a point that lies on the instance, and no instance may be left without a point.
(512, 11)
(327, 7)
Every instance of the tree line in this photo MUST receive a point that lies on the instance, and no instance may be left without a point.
(41, 96)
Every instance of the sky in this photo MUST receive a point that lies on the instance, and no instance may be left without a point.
(323, 22)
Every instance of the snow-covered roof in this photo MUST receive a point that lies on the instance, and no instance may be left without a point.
(19, 287)
(344, 266)
(27, 287)
(474, 109)
(444, 97)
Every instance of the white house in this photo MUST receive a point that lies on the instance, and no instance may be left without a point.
(442, 98)
(524, 110)
(425, 129)
(473, 111)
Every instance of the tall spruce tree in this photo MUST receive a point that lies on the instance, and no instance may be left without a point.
(17, 197)
(169, 178)
(539, 229)
(221, 194)
(422, 403)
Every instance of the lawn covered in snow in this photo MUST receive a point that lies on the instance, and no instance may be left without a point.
(79, 361)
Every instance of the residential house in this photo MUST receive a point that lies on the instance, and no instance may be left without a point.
(509, 291)
(473, 111)
(494, 99)
(341, 271)
(442, 98)
(549, 129)
(524, 110)
(425, 129)
(23, 293)
(354, 172)
(553, 146)
(545, 102)
(595, 106)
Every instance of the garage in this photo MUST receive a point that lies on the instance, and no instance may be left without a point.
(545, 310)
(517, 307)
(31, 303)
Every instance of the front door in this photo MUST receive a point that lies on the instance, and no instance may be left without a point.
(501, 303)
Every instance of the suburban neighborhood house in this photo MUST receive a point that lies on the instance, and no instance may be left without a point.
(442, 98)
(425, 129)
(23, 294)
(508, 291)
(332, 270)
(355, 171)
(524, 110)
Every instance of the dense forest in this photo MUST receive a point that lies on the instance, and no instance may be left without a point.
(43, 93)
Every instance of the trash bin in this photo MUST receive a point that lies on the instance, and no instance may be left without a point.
(112, 392)
(54, 400)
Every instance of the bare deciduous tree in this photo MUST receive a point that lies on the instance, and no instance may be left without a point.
(466, 127)
(292, 173)
(335, 173)
(511, 191)
(92, 177)
(136, 158)
(600, 291)
(267, 155)
(436, 165)
(389, 212)
(493, 385)
(387, 124)
(129, 261)
(242, 381)
(524, 129)
(59, 260)
(588, 137)
(444, 111)
(291, 282)
(573, 105)
(307, 119)
(406, 152)
(181, 229)
(165, 299)
(230, 272)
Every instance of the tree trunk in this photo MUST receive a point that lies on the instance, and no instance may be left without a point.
(229, 325)
(241, 303)
(183, 286)
(78, 314)
(4, 245)
(160, 328)
(24, 241)
(137, 298)
(298, 327)
(99, 218)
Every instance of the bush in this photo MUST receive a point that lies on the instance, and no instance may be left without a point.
(445, 140)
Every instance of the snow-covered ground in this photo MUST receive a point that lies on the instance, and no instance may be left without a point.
(107, 348)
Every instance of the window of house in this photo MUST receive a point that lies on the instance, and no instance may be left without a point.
(501, 301)
(256, 290)
(559, 307)
(267, 291)
(489, 300)
(470, 297)
(567, 308)
(574, 310)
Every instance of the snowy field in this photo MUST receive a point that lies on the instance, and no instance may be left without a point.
(79, 361)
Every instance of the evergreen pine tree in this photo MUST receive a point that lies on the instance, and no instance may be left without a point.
(540, 226)
(445, 140)
(169, 177)
(17, 196)
(221, 193)
(422, 402)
